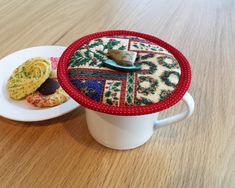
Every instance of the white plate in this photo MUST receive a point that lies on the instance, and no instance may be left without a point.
(21, 110)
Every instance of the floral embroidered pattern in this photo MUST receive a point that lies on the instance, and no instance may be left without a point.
(112, 92)
(94, 52)
(148, 88)
(143, 101)
(157, 79)
(168, 61)
(166, 75)
(141, 46)
(130, 89)
(164, 93)
(151, 66)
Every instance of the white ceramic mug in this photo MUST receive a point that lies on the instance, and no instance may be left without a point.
(128, 132)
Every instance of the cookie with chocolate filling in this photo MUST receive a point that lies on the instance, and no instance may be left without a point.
(41, 100)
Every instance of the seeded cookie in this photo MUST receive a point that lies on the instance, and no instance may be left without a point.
(40, 100)
(28, 77)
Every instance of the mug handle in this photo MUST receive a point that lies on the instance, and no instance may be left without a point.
(188, 100)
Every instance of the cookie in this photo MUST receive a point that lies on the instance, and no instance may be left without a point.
(28, 77)
(40, 100)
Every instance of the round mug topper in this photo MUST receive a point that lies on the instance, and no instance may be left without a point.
(160, 80)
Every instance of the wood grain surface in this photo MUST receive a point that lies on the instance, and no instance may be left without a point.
(195, 153)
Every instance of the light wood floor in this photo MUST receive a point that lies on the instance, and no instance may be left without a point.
(196, 153)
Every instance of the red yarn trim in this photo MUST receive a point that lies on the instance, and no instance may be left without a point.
(174, 97)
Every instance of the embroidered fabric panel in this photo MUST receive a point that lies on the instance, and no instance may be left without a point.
(157, 79)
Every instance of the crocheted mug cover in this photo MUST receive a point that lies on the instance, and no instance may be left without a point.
(164, 77)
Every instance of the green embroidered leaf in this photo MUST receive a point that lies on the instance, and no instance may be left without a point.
(130, 81)
(164, 93)
(143, 101)
(99, 57)
(135, 45)
(93, 63)
(122, 48)
(77, 54)
(76, 58)
(147, 56)
(100, 41)
(115, 98)
(130, 89)
(116, 90)
(101, 52)
(141, 44)
(72, 60)
(87, 54)
(167, 74)
(107, 94)
(111, 44)
(115, 42)
(129, 99)
(142, 78)
(109, 101)
(146, 101)
(73, 63)
(153, 49)
(97, 43)
(116, 84)
(83, 61)
(165, 78)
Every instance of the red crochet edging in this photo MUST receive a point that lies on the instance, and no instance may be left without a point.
(173, 98)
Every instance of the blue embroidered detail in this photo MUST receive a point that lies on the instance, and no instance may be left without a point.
(91, 88)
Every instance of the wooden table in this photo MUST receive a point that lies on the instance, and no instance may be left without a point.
(198, 152)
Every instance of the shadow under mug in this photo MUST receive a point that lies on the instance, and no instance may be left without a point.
(128, 132)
